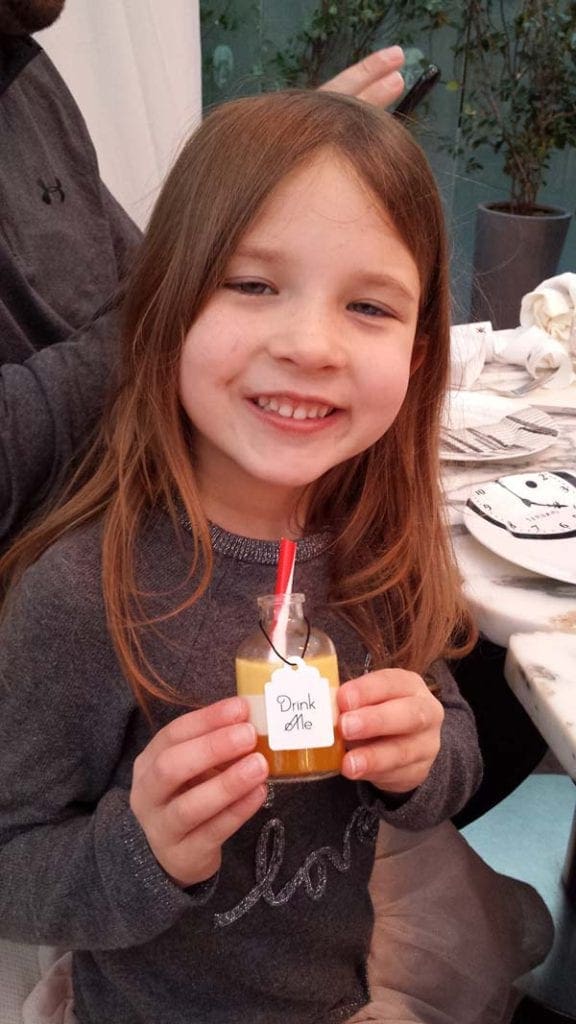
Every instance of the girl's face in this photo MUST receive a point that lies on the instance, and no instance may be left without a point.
(301, 359)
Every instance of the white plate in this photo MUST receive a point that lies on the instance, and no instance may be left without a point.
(529, 519)
(474, 408)
(487, 428)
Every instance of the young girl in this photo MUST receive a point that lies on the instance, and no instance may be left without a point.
(285, 354)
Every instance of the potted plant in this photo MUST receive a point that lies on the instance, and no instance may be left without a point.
(518, 98)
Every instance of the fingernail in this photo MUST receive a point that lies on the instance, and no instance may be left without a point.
(243, 734)
(254, 767)
(393, 53)
(236, 707)
(357, 764)
(351, 697)
(350, 725)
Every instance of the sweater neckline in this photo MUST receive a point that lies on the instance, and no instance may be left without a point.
(264, 552)
(15, 53)
(249, 549)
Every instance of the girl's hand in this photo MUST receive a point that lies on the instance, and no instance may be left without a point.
(392, 723)
(195, 785)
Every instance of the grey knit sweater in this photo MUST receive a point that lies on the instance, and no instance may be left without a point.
(280, 935)
(65, 244)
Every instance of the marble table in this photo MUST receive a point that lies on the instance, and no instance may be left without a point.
(506, 598)
(541, 669)
(514, 607)
(534, 616)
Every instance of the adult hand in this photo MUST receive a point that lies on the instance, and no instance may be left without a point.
(392, 722)
(195, 785)
(376, 79)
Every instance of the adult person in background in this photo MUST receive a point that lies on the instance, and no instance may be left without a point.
(65, 245)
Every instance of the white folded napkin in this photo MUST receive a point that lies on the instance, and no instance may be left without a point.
(545, 339)
(536, 350)
(552, 307)
(468, 347)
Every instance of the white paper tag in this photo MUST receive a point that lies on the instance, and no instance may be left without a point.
(298, 708)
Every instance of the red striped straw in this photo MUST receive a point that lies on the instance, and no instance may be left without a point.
(284, 579)
(285, 570)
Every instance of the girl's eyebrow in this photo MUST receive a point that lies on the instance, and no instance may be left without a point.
(261, 253)
(387, 281)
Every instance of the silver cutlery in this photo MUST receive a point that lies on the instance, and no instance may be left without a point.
(557, 410)
(532, 428)
(531, 385)
(456, 442)
(522, 389)
(499, 442)
(507, 436)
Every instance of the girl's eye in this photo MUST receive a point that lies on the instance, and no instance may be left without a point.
(249, 287)
(368, 309)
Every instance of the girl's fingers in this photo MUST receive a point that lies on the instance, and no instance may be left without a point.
(197, 856)
(198, 806)
(395, 717)
(213, 833)
(179, 765)
(393, 758)
(375, 687)
(193, 724)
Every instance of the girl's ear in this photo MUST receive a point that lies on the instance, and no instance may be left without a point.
(418, 352)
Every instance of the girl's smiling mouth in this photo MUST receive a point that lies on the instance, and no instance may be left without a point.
(294, 412)
(294, 408)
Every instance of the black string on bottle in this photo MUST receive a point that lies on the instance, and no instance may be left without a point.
(281, 656)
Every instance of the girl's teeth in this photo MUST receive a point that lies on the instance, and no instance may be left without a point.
(301, 413)
(289, 411)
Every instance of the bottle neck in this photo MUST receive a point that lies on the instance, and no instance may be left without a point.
(273, 606)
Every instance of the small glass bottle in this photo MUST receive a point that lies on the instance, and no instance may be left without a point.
(288, 673)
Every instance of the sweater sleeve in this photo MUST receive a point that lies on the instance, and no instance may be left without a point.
(125, 235)
(455, 774)
(48, 406)
(75, 867)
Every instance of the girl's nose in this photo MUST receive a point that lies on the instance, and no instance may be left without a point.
(311, 340)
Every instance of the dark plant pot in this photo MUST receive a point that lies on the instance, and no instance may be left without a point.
(513, 253)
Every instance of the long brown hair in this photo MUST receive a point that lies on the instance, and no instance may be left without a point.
(391, 561)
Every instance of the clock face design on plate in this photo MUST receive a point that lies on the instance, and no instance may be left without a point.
(537, 506)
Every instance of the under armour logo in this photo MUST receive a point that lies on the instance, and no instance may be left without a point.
(51, 190)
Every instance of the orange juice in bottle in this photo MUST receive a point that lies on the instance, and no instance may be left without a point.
(290, 682)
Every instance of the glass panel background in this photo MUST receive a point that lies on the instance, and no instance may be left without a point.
(240, 39)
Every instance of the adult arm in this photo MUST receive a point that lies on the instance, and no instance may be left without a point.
(125, 235)
(48, 407)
